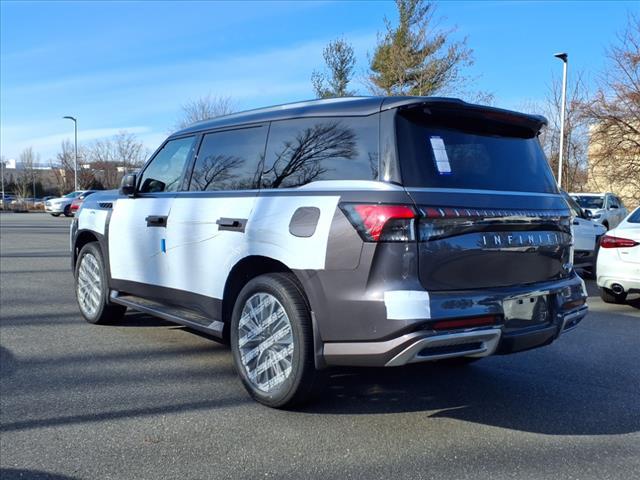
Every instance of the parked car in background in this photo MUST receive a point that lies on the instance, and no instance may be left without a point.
(619, 260)
(62, 205)
(77, 202)
(605, 208)
(586, 237)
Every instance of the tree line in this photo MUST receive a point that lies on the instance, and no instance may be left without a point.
(101, 165)
(414, 56)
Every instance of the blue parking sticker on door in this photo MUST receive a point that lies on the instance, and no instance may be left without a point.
(163, 245)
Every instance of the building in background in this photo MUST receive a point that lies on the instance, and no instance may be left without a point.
(614, 166)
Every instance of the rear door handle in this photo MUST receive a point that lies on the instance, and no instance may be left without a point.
(231, 224)
(156, 221)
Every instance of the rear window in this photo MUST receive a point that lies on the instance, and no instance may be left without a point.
(477, 157)
(634, 217)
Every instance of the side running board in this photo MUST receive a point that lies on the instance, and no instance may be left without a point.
(181, 316)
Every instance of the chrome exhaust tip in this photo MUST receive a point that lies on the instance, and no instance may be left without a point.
(617, 289)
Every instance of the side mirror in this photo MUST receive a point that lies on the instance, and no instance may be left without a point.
(128, 184)
(614, 206)
(587, 214)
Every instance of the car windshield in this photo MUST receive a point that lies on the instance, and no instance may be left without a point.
(72, 195)
(589, 201)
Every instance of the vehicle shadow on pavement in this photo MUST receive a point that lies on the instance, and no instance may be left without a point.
(22, 474)
(485, 394)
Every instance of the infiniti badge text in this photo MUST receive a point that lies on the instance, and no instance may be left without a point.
(518, 239)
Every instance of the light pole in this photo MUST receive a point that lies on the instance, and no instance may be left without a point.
(75, 164)
(2, 179)
(565, 60)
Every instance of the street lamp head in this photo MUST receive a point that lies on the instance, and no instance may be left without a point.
(562, 56)
(70, 118)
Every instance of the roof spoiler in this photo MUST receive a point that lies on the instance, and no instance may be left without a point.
(457, 107)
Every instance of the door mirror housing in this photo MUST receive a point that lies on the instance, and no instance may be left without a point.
(587, 214)
(128, 184)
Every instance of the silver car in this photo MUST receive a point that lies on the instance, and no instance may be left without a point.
(604, 208)
(62, 205)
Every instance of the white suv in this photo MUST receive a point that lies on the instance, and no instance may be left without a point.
(586, 238)
(604, 208)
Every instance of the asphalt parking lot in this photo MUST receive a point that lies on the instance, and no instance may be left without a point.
(146, 399)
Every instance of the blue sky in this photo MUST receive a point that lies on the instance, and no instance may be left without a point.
(130, 66)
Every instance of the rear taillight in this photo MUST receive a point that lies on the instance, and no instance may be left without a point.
(381, 222)
(403, 223)
(610, 241)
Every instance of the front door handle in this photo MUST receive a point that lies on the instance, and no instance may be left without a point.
(231, 224)
(156, 221)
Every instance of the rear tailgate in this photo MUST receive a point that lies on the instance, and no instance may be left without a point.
(485, 240)
(491, 215)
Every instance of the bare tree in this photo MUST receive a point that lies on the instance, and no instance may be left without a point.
(614, 114)
(129, 151)
(26, 175)
(215, 168)
(576, 139)
(110, 158)
(205, 108)
(301, 160)
(63, 167)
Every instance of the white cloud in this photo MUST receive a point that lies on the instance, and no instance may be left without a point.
(152, 95)
(48, 145)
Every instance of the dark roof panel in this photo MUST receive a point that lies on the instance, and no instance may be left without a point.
(334, 107)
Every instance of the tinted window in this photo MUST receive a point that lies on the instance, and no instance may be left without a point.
(230, 160)
(306, 150)
(164, 173)
(478, 157)
(573, 205)
(589, 201)
(634, 217)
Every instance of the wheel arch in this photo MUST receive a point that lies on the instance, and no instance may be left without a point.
(251, 267)
(242, 272)
(82, 238)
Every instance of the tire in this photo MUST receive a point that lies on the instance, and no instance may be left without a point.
(55, 214)
(67, 211)
(294, 380)
(609, 297)
(90, 270)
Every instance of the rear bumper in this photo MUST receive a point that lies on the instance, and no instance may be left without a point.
(630, 285)
(426, 344)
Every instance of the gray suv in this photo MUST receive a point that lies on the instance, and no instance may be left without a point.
(360, 231)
